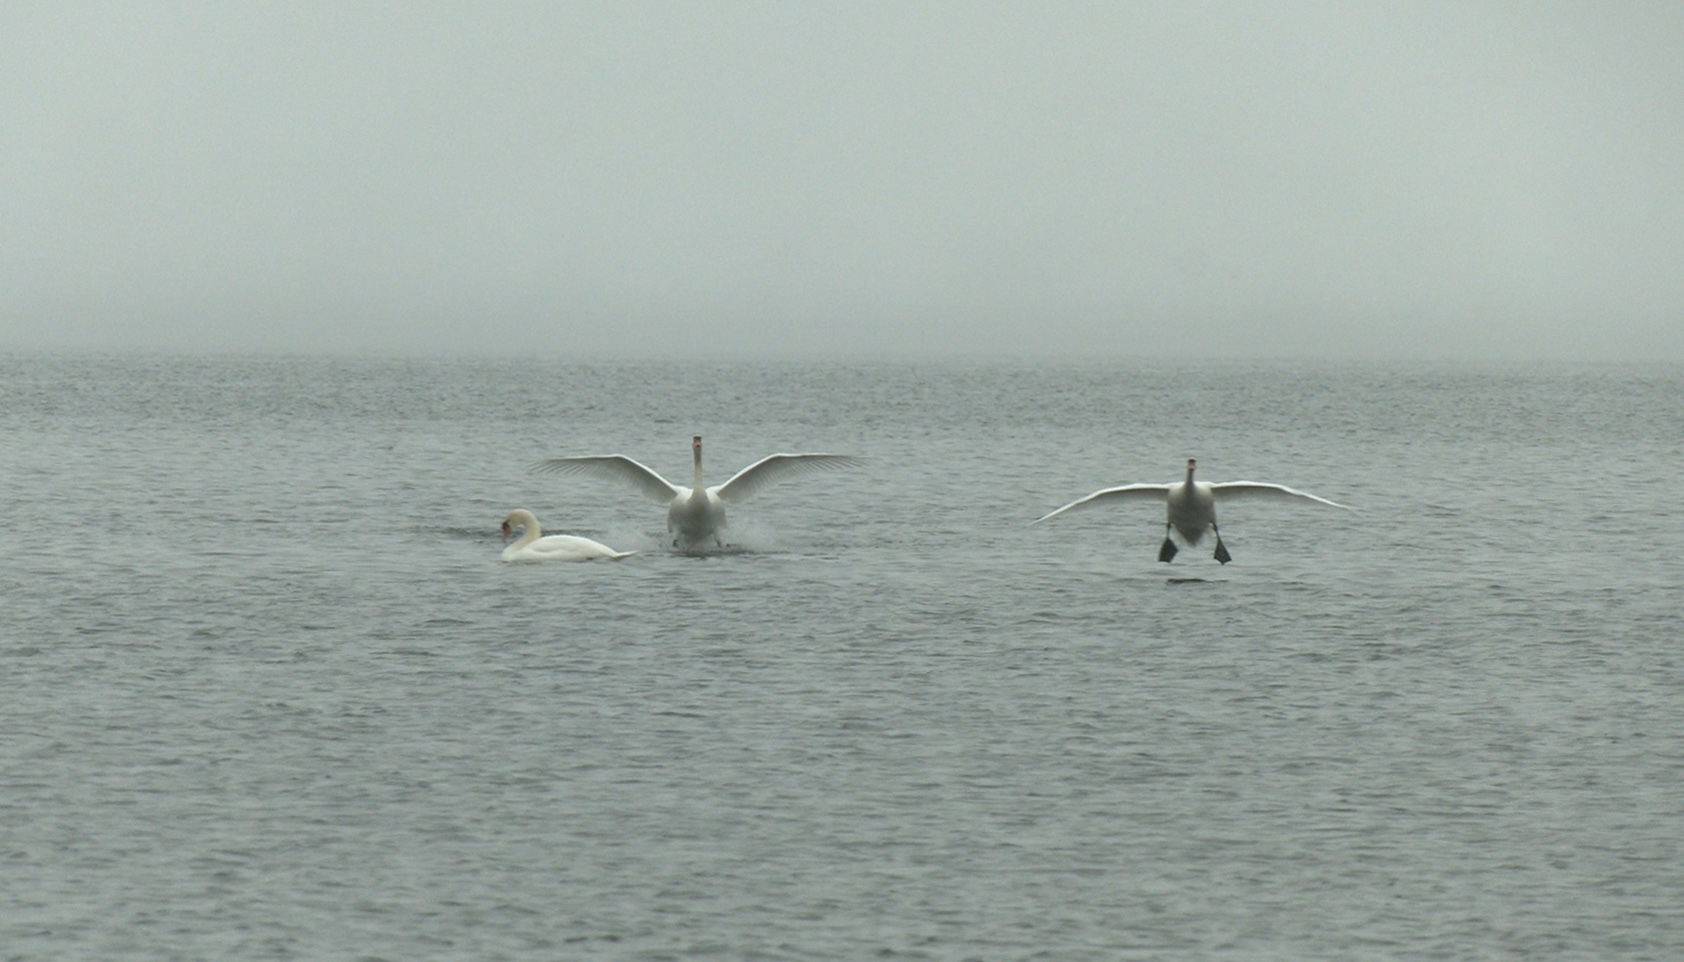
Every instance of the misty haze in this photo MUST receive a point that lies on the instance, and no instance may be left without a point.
(747, 179)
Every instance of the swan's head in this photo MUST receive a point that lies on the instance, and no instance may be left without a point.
(1191, 464)
(696, 446)
(520, 517)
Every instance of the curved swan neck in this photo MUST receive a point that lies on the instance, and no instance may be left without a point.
(527, 520)
(696, 451)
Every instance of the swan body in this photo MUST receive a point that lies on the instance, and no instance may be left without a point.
(696, 514)
(534, 546)
(1190, 505)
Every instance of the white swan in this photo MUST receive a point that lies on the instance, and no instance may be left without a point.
(1191, 505)
(532, 546)
(695, 514)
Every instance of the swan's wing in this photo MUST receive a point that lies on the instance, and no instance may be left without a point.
(1150, 492)
(569, 544)
(614, 467)
(1252, 489)
(776, 467)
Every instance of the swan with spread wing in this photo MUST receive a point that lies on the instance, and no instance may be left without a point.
(696, 514)
(1191, 505)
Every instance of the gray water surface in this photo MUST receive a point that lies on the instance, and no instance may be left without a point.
(268, 692)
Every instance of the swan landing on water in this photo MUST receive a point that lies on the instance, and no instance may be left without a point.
(533, 546)
(696, 514)
(1191, 505)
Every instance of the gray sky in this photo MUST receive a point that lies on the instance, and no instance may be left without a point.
(1348, 179)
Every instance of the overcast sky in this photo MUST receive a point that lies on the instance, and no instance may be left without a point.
(1348, 179)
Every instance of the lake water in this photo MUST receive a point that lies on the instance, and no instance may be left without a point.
(269, 694)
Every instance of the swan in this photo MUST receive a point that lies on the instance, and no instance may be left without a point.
(695, 514)
(1191, 505)
(532, 546)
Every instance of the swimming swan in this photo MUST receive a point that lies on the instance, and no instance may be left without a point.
(695, 514)
(532, 546)
(1191, 505)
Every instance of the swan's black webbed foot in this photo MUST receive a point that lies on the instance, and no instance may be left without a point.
(1222, 554)
(1167, 550)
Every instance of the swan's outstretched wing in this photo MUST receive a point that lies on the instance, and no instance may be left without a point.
(1150, 492)
(614, 467)
(776, 467)
(1248, 489)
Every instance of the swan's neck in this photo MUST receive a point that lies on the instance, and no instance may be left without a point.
(530, 533)
(697, 450)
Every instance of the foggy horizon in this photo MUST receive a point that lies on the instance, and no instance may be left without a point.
(752, 180)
